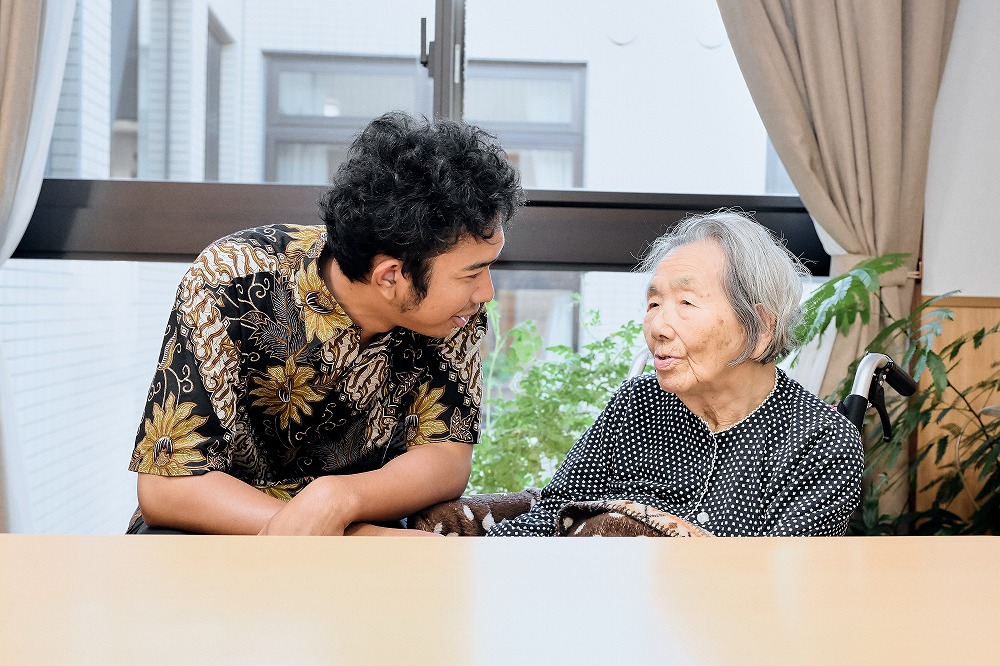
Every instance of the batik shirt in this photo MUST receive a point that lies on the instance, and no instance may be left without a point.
(262, 375)
(792, 467)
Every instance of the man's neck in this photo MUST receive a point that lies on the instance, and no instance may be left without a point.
(356, 299)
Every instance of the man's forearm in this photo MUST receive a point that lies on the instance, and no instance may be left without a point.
(423, 476)
(212, 503)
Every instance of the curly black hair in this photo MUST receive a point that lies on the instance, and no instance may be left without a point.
(412, 189)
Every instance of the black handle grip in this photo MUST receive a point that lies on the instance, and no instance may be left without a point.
(900, 380)
(854, 408)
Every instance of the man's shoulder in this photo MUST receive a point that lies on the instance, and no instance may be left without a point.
(278, 248)
(276, 238)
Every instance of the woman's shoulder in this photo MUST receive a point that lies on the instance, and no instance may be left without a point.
(810, 410)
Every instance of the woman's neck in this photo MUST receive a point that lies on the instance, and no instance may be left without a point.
(749, 386)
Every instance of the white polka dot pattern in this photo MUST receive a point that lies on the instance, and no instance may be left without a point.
(793, 467)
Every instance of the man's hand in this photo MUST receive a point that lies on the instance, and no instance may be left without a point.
(323, 507)
(336, 505)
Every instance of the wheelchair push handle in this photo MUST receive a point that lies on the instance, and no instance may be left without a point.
(873, 370)
(903, 383)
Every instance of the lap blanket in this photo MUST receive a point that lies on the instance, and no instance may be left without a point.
(621, 518)
(474, 515)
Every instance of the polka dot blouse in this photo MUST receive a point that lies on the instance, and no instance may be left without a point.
(792, 467)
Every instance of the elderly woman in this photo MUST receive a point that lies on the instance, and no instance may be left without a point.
(719, 437)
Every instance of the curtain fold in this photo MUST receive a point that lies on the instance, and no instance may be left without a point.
(846, 90)
(34, 40)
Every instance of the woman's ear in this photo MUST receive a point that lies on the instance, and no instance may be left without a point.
(767, 332)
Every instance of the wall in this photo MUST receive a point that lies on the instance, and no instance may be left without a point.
(961, 227)
(81, 137)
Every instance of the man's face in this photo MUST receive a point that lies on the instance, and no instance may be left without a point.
(459, 283)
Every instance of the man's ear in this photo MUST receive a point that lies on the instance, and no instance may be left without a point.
(387, 276)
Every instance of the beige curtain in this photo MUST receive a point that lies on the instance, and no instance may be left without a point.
(846, 90)
(34, 39)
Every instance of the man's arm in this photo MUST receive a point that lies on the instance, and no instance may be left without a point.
(424, 475)
(217, 503)
(211, 503)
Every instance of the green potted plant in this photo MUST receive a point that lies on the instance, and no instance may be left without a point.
(965, 416)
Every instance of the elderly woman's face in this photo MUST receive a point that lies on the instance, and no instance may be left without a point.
(690, 327)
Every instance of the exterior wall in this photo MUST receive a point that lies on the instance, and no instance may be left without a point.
(647, 100)
(81, 138)
(79, 339)
(172, 56)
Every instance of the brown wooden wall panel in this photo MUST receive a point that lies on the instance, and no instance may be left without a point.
(971, 314)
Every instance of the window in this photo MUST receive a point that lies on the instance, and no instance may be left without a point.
(537, 111)
(609, 115)
(317, 103)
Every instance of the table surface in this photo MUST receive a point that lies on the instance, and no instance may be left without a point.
(323, 600)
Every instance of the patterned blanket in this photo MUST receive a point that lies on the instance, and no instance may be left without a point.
(474, 515)
(621, 518)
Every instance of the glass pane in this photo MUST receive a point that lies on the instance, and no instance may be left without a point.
(543, 169)
(181, 90)
(352, 95)
(665, 105)
(80, 342)
(307, 162)
(647, 94)
(518, 100)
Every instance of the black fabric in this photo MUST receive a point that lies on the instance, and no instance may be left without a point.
(139, 526)
(790, 468)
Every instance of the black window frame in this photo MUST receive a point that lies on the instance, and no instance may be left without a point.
(557, 230)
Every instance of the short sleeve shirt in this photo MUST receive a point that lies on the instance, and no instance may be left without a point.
(262, 376)
(790, 468)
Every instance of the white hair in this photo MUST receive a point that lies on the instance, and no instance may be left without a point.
(759, 273)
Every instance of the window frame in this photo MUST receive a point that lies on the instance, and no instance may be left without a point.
(558, 229)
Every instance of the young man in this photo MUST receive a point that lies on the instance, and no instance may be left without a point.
(321, 380)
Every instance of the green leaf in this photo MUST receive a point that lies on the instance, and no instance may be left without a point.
(942, 448)
(938, 372)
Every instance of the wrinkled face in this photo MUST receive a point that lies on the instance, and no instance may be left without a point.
(459, 283)
(690, 327)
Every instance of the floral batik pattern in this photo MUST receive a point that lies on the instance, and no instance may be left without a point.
(262, 376)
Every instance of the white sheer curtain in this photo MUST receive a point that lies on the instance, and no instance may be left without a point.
(34, 39)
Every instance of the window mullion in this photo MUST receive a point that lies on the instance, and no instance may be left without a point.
(447, 58)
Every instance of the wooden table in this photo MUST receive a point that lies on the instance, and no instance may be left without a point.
(301, 600)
